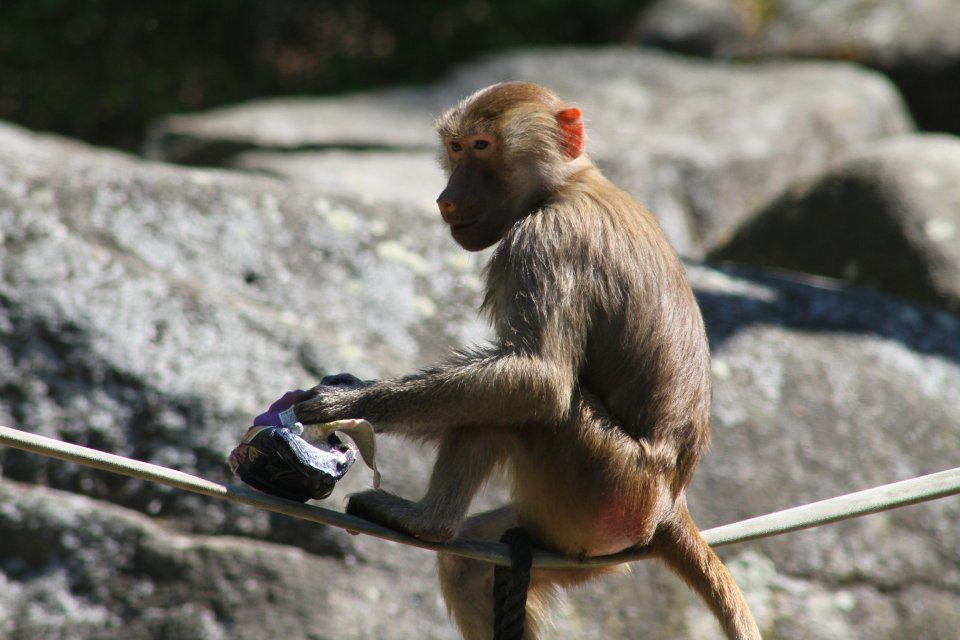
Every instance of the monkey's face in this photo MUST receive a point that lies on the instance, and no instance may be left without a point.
(478, 204)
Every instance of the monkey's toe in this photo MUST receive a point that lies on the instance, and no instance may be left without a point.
(433, 531)
(365, 504)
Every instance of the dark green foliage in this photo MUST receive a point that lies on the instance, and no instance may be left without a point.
(100, 69)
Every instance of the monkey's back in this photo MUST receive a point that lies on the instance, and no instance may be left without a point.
(634, 332)
(648, 320)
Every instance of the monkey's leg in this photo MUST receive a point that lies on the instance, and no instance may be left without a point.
(679, 544)
(464, 460)
(467, 585)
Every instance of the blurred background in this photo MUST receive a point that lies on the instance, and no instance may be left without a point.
(100, 70)
(206, 203)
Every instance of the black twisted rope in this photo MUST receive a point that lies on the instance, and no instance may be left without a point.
(510, 586)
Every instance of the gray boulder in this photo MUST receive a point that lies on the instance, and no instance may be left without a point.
(888, 218)
(15, 140)
(373, 177)
(703, 145)
(915, 43)
(821, 391)
(76, 568)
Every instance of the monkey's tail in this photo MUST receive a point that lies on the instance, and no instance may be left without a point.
(679, 544)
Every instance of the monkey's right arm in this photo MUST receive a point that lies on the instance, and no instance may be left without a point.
(490, 387)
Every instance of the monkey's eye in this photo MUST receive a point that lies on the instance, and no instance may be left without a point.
(456, 147)
(480, 145)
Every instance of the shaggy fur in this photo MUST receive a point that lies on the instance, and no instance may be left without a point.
(596, 395)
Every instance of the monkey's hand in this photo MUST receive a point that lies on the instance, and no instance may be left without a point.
(347, 380)
(320, 401)
(333, 399)
(403, 515)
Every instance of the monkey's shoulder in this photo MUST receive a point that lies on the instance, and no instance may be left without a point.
(587, 227)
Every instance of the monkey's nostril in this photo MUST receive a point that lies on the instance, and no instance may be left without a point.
(447, 208)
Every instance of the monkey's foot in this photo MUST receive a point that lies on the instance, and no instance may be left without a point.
(403, 515)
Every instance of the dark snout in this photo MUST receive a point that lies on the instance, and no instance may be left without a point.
(453, 200)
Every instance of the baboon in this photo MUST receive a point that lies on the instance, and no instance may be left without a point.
(595, 396)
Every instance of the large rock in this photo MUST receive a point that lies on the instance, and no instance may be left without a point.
(820, 392)
(407, 176)
(915, 43)
(15, 140)
(73, 568)
(702, 144)
(150, 310)
(889, 218)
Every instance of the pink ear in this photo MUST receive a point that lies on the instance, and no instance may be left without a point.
(571, 128)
